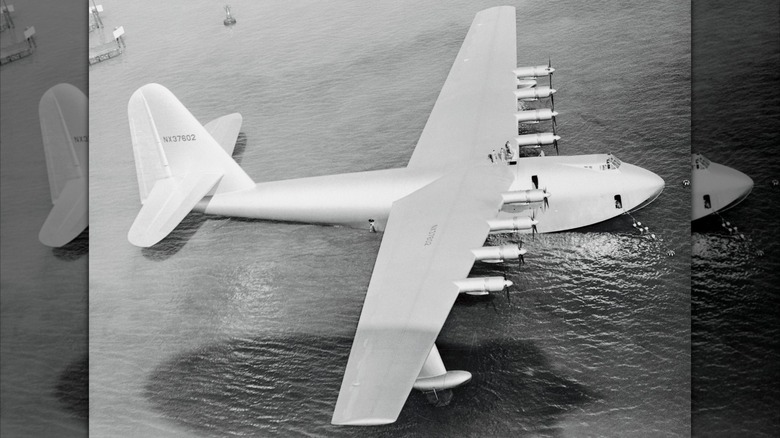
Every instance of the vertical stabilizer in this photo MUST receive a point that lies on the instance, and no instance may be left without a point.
(177, 160)
(63, 116)
(169, 142)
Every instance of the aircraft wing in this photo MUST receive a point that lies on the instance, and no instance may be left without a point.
(425, 248)
(474, 114)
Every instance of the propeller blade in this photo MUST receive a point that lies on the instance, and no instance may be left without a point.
(552, 102)
(555, 143)
(533, 232)
(549, 66)
(506, 289)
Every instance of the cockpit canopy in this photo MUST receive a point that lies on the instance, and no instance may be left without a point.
(700, 162)
(611, 163)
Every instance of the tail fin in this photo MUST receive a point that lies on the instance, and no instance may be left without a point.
(177, 161)
(63, 116)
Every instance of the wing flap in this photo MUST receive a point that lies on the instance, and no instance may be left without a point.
(425, 248)
(169, 201)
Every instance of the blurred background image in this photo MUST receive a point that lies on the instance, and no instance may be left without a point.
(43, 299)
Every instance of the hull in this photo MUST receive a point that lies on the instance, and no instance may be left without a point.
(584, 191)
(349, 199)
(717, 188)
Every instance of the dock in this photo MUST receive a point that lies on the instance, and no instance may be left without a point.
(94, 16)
(15, 51)
(6, 21)
(108, 50)
(19, 50)
(103, 52)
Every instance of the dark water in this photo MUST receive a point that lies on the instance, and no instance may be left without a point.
(242, 327)
(43, 297)
(276, 385)
(734, 295)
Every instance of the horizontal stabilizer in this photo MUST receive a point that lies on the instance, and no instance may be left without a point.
(69, 216)
(169, 201)
(225, 130)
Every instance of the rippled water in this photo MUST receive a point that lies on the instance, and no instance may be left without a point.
(734, 282)
(241, 327)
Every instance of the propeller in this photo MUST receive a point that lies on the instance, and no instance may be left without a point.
(552, 105)
(506, 290)
(533, 226)
(549, 68)
(521, 257)
(545, 202)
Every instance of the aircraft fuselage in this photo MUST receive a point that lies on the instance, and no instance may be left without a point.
(584, 190)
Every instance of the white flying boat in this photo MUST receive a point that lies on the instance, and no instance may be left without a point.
(716, 187)
(435, 213)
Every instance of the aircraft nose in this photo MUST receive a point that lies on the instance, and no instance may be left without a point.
(741, 182)
(644, 183)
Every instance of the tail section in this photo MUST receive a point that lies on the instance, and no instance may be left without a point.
(63, 116)
(225, 131)
(177, 160)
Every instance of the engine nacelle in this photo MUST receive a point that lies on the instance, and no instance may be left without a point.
(498, 254)
(533, 71)
(516, 223)
(535, 116)
(482, 285)
(534, 93)
(536, 139)
(525, 83)
(524, 196)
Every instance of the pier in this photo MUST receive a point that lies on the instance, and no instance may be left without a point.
(108, 50)
(6, 21)
(94, 16)
(19, 50)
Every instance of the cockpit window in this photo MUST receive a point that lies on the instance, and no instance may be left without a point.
(700, 162)
(611, 163)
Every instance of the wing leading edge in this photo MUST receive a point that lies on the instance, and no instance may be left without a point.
(425, 248)
(474, 113)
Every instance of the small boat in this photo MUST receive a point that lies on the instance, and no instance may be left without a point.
(229, 20)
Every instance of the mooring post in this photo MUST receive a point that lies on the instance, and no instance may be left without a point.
(29, 35)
